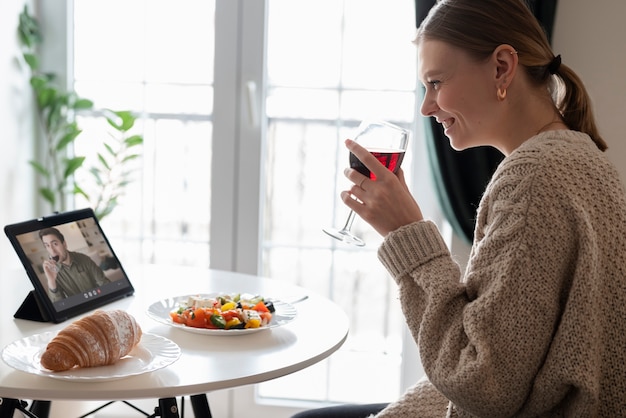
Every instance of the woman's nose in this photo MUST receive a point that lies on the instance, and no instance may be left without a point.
(429, 106)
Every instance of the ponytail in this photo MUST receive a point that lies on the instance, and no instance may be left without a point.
(574, 104)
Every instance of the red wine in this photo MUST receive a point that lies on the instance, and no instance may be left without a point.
(389, 158)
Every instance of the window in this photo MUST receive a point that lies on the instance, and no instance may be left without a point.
(165, 77)
(244, 107)
(328, 68)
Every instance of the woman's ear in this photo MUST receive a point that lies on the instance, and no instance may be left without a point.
(506, 60)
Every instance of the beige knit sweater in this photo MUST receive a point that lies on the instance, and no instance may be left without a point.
(536, 326)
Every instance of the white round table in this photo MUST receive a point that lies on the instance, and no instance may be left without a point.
(207, 362)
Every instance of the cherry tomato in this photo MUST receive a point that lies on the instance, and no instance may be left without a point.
(260, 307)
(197, 318)
(178, 318)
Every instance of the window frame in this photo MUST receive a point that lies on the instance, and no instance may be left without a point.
(238, 151)
(237, 175)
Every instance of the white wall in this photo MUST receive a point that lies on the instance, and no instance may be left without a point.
(590, 36)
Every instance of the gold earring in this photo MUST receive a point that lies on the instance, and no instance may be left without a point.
(501, 93)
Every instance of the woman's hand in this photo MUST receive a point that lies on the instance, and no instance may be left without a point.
(386, 203)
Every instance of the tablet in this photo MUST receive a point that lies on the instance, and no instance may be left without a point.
(70, 263)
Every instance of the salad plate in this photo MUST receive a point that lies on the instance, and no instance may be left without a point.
(160, 312)
(152, 353)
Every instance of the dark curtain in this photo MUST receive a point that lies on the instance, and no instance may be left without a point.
(461, 176)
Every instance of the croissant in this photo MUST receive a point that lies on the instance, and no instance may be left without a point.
(98, 339)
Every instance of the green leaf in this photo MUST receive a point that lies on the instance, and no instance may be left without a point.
(38, 82)
(130, 157)
(83, 104)
(71, 165)
(80, 191)
(70, 135)
(39, 168)
(133, 140)
(110, 149)
(103, 161)
(46, 96)
(28, 29)
(49, 77)
(48, 195)
(107, 210)
(31, 60)
(95, 172)
(54, 118)
(123, 121)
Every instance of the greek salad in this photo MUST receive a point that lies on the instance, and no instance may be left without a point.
(225, 311)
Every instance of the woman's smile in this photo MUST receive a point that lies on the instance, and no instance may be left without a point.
(446, 123)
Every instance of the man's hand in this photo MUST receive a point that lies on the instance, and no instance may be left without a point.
(50, 270)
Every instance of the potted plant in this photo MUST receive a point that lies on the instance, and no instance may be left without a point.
(57, 164)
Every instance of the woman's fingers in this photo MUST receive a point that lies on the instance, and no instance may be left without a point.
(367, 159)
(386, 202)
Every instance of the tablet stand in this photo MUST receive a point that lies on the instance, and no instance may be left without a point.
(32, 309)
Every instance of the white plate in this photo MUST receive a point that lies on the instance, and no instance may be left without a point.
(160, 312)
(152, 353)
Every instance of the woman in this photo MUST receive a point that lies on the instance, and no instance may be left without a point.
(535, 326)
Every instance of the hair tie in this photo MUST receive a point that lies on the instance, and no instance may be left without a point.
(554, 65)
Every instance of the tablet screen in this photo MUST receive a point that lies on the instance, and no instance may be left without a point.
(70, 262)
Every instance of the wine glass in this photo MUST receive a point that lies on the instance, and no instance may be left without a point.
(55, 259)
(387, 142)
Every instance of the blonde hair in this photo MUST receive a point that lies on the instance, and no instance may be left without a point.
(479, 26)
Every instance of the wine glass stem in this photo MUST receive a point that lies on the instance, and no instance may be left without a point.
(348, 226)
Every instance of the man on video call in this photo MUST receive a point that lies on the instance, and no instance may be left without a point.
(68, 273)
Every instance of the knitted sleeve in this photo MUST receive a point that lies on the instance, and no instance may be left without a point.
(483, 336)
